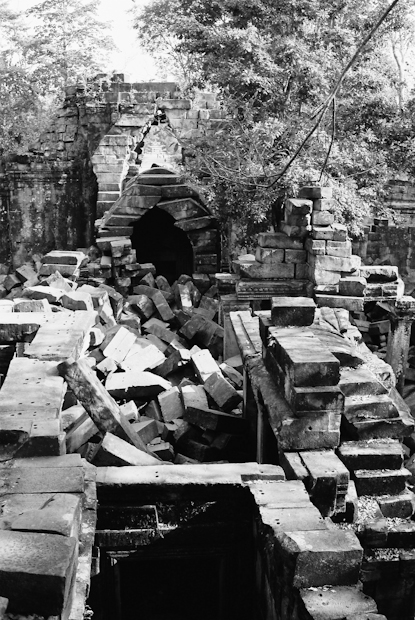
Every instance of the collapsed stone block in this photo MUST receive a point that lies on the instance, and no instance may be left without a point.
(297, 311)
(224, 395)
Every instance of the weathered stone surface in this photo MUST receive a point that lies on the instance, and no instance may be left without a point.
(279, 240)
(371, 454)
(269, 255)
(353, 286)
(209, 419)
(21, 326)
(265, 271)
(135, 385)
(322, 218)
(114, 451)
(170, 404)
(315, 192)
(204, 364)
(36, 571)
(290, 494)
(224, 395)
(381, 482)
(67, 336)
(96, 400)
(305, 362)
(297, 311)
(60, 515)
(142, 358)
(328, 478)
(340, 603)
(302, 519)
(316, 558)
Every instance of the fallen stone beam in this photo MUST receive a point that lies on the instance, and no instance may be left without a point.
(101, 407)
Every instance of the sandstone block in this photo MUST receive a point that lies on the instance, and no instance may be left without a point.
(315, 246)
(352, 286)
(298, 311)
(132, 385)
(163, 451)
(298, 206)
(36, 571)
(279, 240)
(115, 452)
(317, 558)
(322, 233)
(324, 204)
(77, 301)
(194, 398)
(342, 249)
(119, 345)
(96, 400)
(209, 419)
(142, 358)
(305, 361)
(269, 255)
(171, 404)
(204, 364)
(224, 395)
(295, 256)
(315, 192)
(265, 271)
(322, 218)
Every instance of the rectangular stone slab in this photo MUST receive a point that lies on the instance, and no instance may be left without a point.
(381, 482)
(371, 454)
(21, 326)
(305, 361)
(297, 311)
(36, 571)
(341, 603)
(43, 480)
(65, 337)
(316, 558)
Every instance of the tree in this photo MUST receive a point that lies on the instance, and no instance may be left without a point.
(277, 62)
(69, 42)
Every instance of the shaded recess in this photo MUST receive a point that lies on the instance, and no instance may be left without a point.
(156, 240)
(181, 236)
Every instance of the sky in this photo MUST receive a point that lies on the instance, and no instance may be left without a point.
(130, 58)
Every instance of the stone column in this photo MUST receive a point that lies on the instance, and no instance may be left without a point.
(399, 338)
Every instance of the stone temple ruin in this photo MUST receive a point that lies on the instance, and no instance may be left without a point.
(177, 441)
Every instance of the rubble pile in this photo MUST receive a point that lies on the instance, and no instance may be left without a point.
(146, 380)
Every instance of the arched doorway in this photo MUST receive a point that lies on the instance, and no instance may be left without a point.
(156, 240)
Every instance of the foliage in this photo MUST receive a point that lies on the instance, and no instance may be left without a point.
(41, 50)
(69, 43)
(273, 64)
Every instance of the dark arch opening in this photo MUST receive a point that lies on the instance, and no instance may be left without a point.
(156, 240)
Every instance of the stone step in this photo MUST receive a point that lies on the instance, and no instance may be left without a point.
(381, 534)
(183, 208)
(109, 187)
(103, 206)
(400, 506)
(360, 408)
(381, 481)
(376, 454)
(158, 179)
(360, 382)
(328, 480)
(108, 196)
(340, 603)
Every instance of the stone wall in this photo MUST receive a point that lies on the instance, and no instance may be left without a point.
(51, 196)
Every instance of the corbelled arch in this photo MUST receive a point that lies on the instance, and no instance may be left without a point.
(165, 190)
